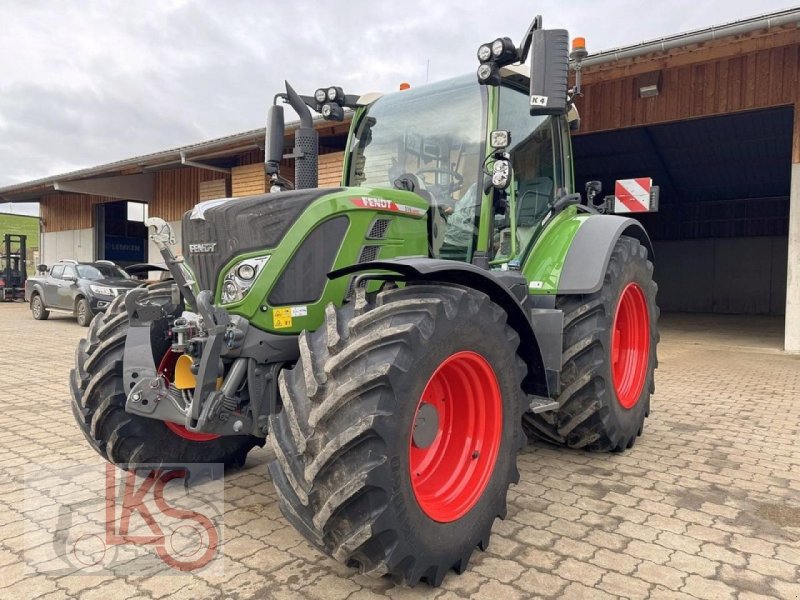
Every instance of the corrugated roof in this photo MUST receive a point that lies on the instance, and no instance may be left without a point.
(235, 143)
(764, 21)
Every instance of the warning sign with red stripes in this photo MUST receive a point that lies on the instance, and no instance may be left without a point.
(632, 195)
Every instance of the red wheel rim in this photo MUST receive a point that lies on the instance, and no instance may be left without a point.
(166, 368)
(630, 345)
(449, 475)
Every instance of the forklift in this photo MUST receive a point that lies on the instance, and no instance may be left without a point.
(13, 268)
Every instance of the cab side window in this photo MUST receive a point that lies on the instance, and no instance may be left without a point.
(57, 271)
(534, 174)
(538, 173)
(69, 271)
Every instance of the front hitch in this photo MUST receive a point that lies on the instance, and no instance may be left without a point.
(210, 410)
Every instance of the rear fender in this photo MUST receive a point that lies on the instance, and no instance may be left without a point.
(587, 259)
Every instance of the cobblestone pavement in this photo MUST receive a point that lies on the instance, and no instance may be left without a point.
(706, 505)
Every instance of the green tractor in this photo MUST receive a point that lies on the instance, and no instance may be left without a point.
(394, 339)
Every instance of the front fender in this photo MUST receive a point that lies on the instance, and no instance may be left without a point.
(508, 289)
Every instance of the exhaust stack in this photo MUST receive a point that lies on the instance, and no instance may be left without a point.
(306, 144)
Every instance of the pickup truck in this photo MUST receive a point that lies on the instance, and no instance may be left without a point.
(81, 288)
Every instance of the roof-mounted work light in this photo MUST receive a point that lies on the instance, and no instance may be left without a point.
(493, 56)
(485, 53)
(489, 74)
(335, 94)
(504, 52)
(332, 112)
(330, 103)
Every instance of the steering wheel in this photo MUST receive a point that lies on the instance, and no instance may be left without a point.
(456, 179)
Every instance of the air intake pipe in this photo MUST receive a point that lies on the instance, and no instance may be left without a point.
(274, 142)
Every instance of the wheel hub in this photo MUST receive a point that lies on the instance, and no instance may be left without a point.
(426, 426)
(630, 345)
(455, 438)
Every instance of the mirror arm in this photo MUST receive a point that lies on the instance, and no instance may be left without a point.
(525, 45)
(565, 201)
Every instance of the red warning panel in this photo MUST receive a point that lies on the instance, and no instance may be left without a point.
(632, 195)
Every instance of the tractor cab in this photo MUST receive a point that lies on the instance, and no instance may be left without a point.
(428, 141)
(442, 141)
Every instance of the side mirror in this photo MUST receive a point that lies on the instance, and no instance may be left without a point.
(68, 277)
(593, 188)
(549, 71)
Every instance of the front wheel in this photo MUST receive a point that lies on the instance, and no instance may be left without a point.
(83, 314)
(399, 432)
(98, 399)
(609, 358)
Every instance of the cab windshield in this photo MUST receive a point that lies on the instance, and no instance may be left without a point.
(428, 139)
(97, 272)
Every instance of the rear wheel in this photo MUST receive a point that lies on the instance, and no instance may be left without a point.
(98, 399)
(401, 423)
(39, 312)
(609, 358)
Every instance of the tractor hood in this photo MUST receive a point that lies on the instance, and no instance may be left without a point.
(216, 231)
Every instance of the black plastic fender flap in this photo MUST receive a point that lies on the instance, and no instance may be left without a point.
(587, 258)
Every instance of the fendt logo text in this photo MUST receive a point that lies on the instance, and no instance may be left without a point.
(202, 248)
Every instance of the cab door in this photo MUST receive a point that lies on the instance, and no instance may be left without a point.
(537, 162)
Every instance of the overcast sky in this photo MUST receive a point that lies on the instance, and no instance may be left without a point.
(92, 81)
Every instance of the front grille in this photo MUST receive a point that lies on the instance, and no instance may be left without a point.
(304, 278)
(238, 226)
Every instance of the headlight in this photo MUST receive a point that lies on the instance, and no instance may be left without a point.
(240, 278)
(320, 95)
(246, 271)
(500, 173)
(500, 166)
(102, 290)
